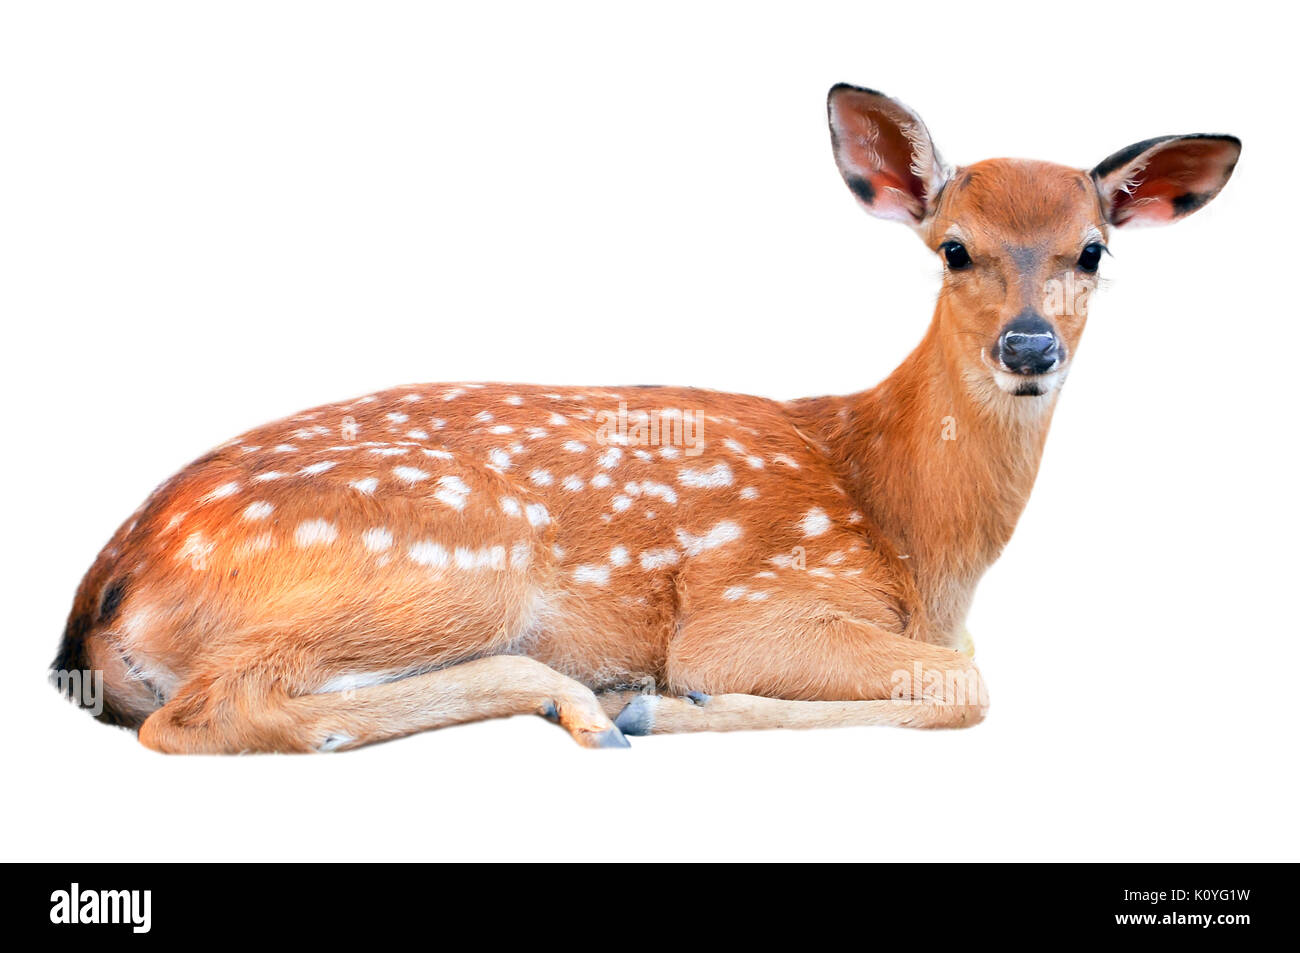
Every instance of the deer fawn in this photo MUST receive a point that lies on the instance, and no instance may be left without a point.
(439, 554)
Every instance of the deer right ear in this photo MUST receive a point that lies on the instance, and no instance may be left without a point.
(885, 154)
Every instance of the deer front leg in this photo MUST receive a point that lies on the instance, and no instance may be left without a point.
(234, 713)
(805, 666)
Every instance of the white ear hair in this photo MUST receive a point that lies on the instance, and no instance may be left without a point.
(1161, 180)
(885, 154)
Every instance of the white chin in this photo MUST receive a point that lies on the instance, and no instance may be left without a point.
(1023, 385)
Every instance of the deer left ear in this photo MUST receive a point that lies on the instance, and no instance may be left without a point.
(1162, 180)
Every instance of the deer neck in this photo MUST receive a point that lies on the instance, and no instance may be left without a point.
(942, 462)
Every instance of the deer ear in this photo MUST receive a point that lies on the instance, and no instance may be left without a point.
(1162, 180)
(884, 153)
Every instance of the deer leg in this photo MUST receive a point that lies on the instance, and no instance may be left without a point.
(665, 714)
(806, 668)
(247, 712)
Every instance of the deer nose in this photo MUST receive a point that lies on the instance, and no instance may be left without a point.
(1028, 345)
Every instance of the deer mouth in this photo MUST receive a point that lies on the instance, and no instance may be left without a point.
(1020, 384)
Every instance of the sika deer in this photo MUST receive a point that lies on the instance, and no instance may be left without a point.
(438, 554)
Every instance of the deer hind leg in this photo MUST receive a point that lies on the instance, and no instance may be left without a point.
(247, 712)
(801, 666)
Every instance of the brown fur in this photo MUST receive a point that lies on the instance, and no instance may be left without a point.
(818, 547)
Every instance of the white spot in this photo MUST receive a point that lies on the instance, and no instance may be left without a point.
(226, 489)
(541, 477)
(196, 551)
(619, 556)
(823, 573)
(486, 558)
(284, 448)
(659, 558)
(609, 458)
(452, 491)
(573, 483)
(483, 417)
(855, 517)
(258, 511)
(389, 451)
(557, 420)
(437, 423)
(257, 544)
(453, 393)
(429, 554)
(409, 474)
(315, 532)
(620, 503)
(642, 454)
(418, 434)
(595, 575)
(669, 453)
(377, 540)
(755, 462)
(315, 468)
(499, 459)
(502, 429)
(510, 506)
(815, 522)
(721, 534)
(515, 401)
(397, 418)
(733, 446)
(716, 476)
(520, 554)
(749, 493)
(660, 490)
(411, 398)
(575, 446)
(785, 460)
(758, 596)
(366, 486)
(834, 559)
(601, 480)
(537, 514)
(437, 454)
(734, 592)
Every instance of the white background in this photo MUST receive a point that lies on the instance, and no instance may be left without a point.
(214, 215)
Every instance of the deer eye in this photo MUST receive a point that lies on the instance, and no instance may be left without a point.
(1091, 257)
(956, 255)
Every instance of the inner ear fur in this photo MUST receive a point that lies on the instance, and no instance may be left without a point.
(1162, 180)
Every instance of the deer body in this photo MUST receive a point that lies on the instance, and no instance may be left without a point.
(439, 553)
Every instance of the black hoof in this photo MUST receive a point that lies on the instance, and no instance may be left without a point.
(638, 716)
(610, 738)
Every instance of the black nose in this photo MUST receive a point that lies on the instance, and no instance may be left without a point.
(1028, 345)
